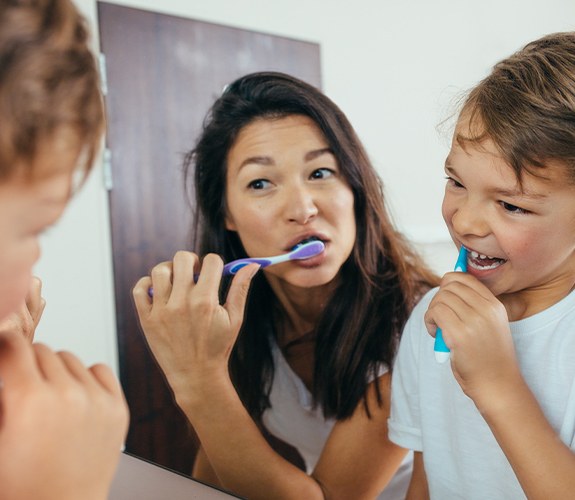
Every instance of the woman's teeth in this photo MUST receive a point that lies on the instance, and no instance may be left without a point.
(303, 242)
(483, 262)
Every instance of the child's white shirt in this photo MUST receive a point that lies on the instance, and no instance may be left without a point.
(430, 412)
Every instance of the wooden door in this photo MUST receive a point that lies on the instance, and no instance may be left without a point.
(163, 73)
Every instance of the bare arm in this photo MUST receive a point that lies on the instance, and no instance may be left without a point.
(359, 460)
(418, 489)
(203, 470)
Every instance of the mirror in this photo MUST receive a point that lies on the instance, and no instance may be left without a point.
(392, 67)
(156, 67)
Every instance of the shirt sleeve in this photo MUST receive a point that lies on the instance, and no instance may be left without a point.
(404, 424)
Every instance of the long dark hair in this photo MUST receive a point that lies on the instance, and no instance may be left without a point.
(380, 281)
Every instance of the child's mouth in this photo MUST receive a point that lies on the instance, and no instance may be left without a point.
(483, 262)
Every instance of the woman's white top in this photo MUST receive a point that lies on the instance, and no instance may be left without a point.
(293, 419)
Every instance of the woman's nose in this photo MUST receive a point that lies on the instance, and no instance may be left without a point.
(301, 206)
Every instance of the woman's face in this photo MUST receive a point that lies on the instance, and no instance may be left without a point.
(284, 186)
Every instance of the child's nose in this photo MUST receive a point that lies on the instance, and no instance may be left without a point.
(470, 220)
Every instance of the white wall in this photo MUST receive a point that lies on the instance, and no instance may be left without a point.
(392, 66)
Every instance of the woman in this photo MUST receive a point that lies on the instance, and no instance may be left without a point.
(279, 164)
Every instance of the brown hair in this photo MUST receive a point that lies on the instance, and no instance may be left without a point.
(48, 81)
(381, 280)
(526, 106)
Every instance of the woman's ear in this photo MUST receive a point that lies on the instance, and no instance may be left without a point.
(230, 224)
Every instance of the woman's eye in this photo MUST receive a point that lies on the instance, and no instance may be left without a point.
(513, 208)
(322, 173)
(259, 184)
(451, 181)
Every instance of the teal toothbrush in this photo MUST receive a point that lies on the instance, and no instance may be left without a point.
(440, 349)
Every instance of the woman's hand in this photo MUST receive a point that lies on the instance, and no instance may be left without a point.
(189, 332)
(63, 425)
(26, 319)
(476, 329)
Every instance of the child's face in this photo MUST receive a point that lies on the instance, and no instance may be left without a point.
(27, 207)
(284, 185)
(525, 238)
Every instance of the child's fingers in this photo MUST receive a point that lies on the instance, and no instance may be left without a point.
(50, 365)
(34, 300)
(17, 360)
(106, 378)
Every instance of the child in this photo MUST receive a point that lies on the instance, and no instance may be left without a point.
(499, 421)
(62, 425)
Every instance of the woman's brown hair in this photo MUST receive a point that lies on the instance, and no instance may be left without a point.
(380, 281)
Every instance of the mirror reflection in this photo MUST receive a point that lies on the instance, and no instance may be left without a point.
(278, 166)
(394, 74)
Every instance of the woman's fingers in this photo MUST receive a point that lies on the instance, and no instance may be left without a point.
(184, 266)
(161, 276)
(238, 294)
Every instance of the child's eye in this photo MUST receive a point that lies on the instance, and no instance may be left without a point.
(513, 208)
(322, 173)
(453, 182)
(259, 184)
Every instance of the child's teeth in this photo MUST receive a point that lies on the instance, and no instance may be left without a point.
(476, 255)
(483, 262)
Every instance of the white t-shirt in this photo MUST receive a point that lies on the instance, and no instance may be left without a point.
(430, 412)
(293, 419)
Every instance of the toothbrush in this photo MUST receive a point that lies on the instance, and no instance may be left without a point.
(299, 252)
(440, 349)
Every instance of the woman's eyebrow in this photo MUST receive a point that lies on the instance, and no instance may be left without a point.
(312, 155)
(257, 160)
(269, 161)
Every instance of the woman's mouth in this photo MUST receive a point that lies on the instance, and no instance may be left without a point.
(482, 262)
(304, 241)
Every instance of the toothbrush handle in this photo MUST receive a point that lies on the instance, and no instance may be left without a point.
(439, 347)
(231, 268)
(235, 265)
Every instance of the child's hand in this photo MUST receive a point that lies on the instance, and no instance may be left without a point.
(189, 332)
(62, 426)
(26, 319)
(476, 329)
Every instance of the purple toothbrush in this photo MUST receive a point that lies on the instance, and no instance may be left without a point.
(300, 252)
